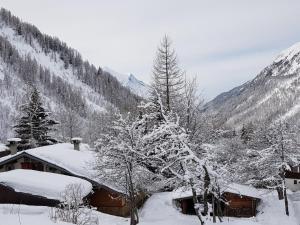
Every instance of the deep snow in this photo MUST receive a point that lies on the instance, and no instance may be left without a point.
(160, 210)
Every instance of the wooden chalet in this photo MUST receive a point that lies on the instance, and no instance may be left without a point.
(239, 201)
(63, 159)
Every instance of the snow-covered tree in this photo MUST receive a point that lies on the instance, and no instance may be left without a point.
(189, 108)
(155, 153)
(167, 149)
(275, 160)
(117, 162)
(34, 124)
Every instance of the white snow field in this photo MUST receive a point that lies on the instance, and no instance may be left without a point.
(26, 215)
(49, 185)
(159, 210)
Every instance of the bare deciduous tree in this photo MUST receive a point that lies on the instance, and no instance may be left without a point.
(72, 209)
(167, 76)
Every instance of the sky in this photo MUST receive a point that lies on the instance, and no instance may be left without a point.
(223, 43)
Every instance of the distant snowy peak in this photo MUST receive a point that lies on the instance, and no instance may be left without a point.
(289, 53)
(137, 86)
(274, 94)
(287, 62)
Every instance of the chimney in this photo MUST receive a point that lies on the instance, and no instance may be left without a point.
(76, 142)
(13, 145)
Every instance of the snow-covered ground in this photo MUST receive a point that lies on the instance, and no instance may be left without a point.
(26, 215)
(159, 210)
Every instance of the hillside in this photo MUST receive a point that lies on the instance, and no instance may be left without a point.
(274, 94)
(71, 88)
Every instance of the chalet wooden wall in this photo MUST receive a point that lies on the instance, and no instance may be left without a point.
(237, 205)
(240, 206)
(109, 202)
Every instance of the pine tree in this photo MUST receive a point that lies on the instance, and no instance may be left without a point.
(167, 76)
(33, 126)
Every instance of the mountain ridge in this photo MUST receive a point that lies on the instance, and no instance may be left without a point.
(271, 96)
(67, 82)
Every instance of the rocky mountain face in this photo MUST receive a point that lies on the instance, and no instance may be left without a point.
(273, 95)
(75, 91)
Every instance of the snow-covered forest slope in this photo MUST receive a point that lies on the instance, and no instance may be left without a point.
(73, 89)
(273, 95)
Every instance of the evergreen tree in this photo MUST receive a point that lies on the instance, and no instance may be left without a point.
(34, 125)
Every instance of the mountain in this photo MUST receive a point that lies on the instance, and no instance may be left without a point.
(273, 95)
(137, 86)
(77, 92)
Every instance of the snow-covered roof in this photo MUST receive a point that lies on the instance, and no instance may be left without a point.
(80, 163)
(49, 185)
(64, 156)
(14, 140)
(243, 190)
(76, 139)
(183, 192)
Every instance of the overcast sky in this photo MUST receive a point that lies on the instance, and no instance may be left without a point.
(224, 43)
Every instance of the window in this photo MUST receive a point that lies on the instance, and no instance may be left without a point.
(295, 181)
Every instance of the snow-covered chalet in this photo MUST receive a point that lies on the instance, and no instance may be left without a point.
(63, 159)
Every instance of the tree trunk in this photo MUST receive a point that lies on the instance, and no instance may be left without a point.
(196, 202)
(134, 218)
(205, 194)
(219, 210)
(282, 174)
(213, 209)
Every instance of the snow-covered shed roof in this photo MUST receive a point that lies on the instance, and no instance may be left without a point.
(49, 185)
(76, 139)
(234, 188)
(182, 193)
(79, 163)
(244, 190)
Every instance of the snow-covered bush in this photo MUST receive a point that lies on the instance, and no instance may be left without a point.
(73, 209)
